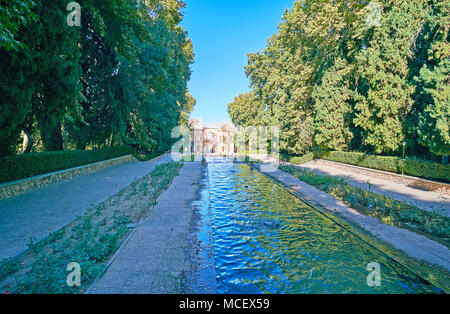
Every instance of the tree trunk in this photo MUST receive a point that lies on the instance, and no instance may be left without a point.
(80, 145)
(51, 136)
(28, 142)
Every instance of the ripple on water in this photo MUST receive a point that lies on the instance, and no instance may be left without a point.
(293, 250)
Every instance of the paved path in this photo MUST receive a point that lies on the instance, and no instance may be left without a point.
(156, 256)
(414, 245)
(423, 199)
(40, 212)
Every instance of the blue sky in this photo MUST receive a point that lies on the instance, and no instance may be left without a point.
(223, 32)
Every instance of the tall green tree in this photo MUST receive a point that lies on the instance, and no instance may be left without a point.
(14, 14)
(152, 95)
(120, 78)
(56, 55)
(16, 67)
(43, 80)
(333, 108)
(284, 75)
(15, 101)
(433, 82)
(246, 110)
(109, 31)
(384, 96)
(356, 75)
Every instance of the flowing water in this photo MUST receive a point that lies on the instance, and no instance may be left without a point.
(293, 249)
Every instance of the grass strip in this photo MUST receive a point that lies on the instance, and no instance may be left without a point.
(90, 240)
(388, 210)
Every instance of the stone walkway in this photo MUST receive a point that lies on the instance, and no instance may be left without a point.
(413, 244)
(426, 200)
(156, 256)
(40, 212)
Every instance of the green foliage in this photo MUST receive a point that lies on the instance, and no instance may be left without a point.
(17, 68)
(385, 208)
(298, 160)
(413, 167)
(119, 79)
(384, 94)
(433, 96)
(332, 108)
(15, 103)
(90, 240)
(144, 115)
(55, 53)
(8, 267)
(245, 110)
(332, 78)
(28, 165)
(284, 75)
(13, 15)
(42, 83)
(161, 75)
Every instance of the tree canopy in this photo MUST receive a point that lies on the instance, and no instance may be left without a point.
(118, 79)
(353, 75)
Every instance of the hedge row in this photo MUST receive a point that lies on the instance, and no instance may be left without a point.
(28, 165)
(148, 156)
(412, 167)
(298, 160)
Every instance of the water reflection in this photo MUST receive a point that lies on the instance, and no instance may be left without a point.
(303, 253)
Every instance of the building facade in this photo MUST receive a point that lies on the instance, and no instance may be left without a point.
(213, 139)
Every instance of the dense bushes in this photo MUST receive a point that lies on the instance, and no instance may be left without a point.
(28, 165)
(413, 167)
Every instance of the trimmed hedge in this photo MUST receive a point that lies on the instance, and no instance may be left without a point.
(298, 160)
(147, 157)
(412, 167)
(28, 165)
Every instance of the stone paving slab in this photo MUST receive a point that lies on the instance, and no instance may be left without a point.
(427, 200)
(38, 213)
(413, 244)
(156, 256)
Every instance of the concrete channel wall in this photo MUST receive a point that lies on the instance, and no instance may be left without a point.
(416, 182)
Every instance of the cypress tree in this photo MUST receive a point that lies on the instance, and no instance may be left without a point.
(384, 96)
(333, 109)
(433, 88)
